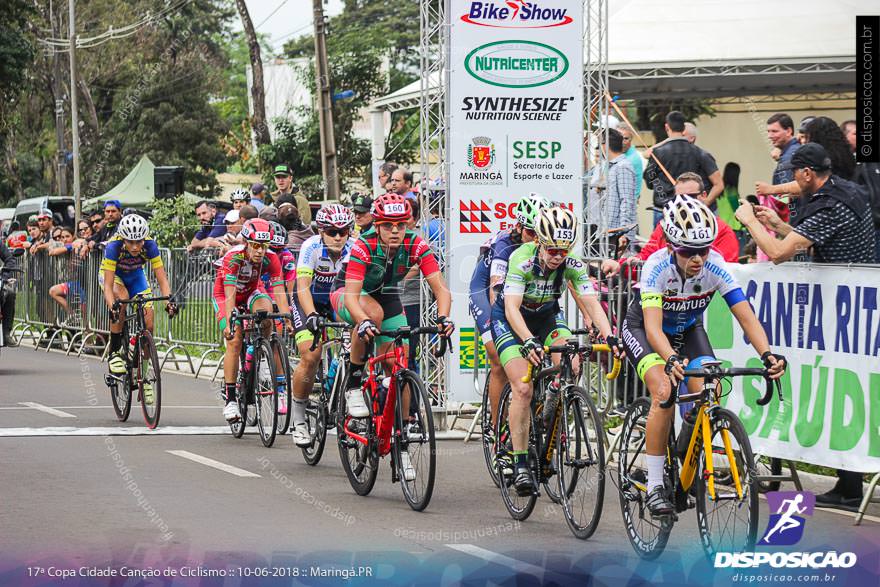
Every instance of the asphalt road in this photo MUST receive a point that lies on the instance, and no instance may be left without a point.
(74, 486)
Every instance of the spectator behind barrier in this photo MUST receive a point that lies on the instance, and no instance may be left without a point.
(212, 227)
(385, 171)
(107, 230)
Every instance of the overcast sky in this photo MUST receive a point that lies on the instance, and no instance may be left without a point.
(292, 19)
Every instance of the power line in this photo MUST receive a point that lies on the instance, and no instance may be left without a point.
(271, 14)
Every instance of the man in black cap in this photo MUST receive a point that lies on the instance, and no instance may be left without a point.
(834, 217)
(362, 205)
(284, 182)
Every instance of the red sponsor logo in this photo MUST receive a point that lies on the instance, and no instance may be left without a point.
(515, 14)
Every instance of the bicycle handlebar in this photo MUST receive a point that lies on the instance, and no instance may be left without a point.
(256, 316)
(322, 324)
(406, 331)
(714, 372)
(139, 300)
(585, 349)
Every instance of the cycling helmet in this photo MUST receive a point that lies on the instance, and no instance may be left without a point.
(391, 208)
(133, 228)
(528, 209)
(334, 216)
(556, 227)
(257, 230)
(688, 222)
(240, 194)
(279, 236)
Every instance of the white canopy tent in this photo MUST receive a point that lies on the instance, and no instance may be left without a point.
(712, 49)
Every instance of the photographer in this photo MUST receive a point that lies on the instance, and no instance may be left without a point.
(7, 296)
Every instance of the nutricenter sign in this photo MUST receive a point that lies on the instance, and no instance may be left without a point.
(516, 64)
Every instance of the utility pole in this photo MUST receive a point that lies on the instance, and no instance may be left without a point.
(57, 90)
(325, 107)
(74, 117)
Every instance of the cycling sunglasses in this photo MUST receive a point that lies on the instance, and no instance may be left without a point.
(392, 226)
(334, 232)
(691, 251)
(258, 246)
(558, 252)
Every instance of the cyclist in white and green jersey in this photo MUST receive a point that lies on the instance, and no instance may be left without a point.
(527, 316)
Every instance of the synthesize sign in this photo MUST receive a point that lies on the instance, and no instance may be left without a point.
(518, 14)
(516, 64)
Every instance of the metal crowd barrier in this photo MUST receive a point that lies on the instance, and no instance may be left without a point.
(190, 339)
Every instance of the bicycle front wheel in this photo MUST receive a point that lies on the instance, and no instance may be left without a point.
(265, 395)
(120, 395)
(283, 423)
(416, 439)
(359, 460)
(149, 379)
(580, 457)
(727, 519)
(647, 535)
(519, 507)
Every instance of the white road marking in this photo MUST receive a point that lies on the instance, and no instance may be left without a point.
(500, 559)
(212, 463)
(117, 431)
(47, 409)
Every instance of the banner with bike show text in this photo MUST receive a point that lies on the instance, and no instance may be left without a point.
(515, 126)
(826, 322)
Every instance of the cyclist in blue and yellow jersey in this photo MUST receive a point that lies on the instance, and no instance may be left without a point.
(122, 277)
(663, 329)
(320, 260)
(527, 316)
(488, 278)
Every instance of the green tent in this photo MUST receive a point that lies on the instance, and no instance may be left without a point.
(135, 190)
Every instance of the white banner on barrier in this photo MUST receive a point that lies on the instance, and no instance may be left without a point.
(826, 322)
(516, 126)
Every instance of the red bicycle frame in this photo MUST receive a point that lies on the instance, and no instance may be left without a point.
(383, 422)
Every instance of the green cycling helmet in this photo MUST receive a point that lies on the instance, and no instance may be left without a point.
(529, 207)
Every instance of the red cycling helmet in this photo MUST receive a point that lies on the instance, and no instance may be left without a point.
(257, 230)
(391, 208)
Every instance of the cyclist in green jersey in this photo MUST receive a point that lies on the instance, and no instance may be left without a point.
(527, 316)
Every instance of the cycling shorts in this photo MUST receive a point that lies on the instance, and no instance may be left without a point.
(692, 344)
(303, 334)
(244, 302)
(547, 327)
(394, 318)
(478, 300)
(134, 282)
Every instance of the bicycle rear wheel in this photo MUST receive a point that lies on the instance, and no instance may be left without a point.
(488, 433)
(265, 395)
(283, 424)
(360, 461)
(727, 523)
(148, 375)
(519, 507)
(417, 439)
(580, 457)
(647, 535)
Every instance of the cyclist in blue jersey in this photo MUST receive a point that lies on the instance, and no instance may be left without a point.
(320, 260)
(663, 329)
(487, 280)
(122, 277)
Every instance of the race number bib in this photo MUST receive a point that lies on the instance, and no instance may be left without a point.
(262, 236)
(565, 234)
(395, 208)
(699, 233)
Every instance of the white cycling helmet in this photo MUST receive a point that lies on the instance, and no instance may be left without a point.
(556, 227)
(688, 222)
(240, 194)
(334, 216)
(133, 227)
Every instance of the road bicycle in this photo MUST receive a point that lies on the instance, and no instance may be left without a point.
(323, 405)
(569, 444)
(717, 472)
(141, 364)
(362, 441)
(259, 377)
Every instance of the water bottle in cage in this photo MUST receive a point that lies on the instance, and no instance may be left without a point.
(331, 375)
(249, 358)
(551, 397)
(384, 384)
